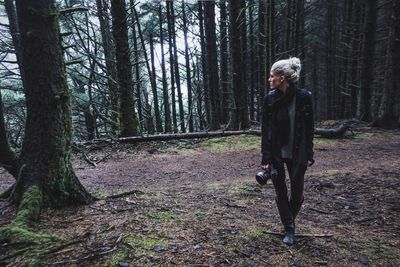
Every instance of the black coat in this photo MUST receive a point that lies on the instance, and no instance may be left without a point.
(303, 131)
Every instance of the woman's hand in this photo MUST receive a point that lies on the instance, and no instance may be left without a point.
(265, 167)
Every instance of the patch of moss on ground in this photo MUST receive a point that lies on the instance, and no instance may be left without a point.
(151, 195)
(163, 216)
(236, 142)
(214, 187)
(376, 250)
(322, 141)
(255, 231)
(244, 188)
(118, 257)
(373, 135)
(144, 242)
(201, 215)
(17, 233)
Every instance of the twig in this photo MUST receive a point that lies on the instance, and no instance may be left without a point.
(320, 211)
(93, 255)
(234, 206)
(16, 253)
(299, 235)
(369, 219)
(57, 248)
(125, 194)
(87, 159)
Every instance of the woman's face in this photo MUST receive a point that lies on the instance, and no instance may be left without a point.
(275, 80)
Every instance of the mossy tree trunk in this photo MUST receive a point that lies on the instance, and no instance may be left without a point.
(129, 122)
(45, 156)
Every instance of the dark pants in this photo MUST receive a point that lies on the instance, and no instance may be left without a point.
(296, 183)
(288, 210)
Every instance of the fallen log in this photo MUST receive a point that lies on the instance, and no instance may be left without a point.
(332, 133)
(322, 132)
(166, 137)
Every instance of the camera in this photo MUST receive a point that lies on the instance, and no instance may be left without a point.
(263, 177)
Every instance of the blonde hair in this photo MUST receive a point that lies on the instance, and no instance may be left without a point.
(290, 68)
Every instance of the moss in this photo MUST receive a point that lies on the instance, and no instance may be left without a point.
(377, 250)
(255, 232)
(30, 205)
(373, 135)
(237, 142)
(144, 242)
(244, 188)
(163, 216)
(19, 231)
(322, 141)
(229, 143)
(214, 187)
(16, 233)
(201, 215)
(117, 258)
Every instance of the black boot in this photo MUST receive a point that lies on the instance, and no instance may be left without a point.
(289, 236)
(287, 220)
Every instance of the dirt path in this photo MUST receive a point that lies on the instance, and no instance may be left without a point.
(201, 207)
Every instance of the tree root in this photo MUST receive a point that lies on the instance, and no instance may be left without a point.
(19, 231)
(6, 194)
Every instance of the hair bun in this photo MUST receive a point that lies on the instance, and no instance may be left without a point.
(295, 65)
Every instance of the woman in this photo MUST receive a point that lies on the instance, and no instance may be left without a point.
(287, 138)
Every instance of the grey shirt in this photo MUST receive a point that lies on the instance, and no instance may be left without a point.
(287, 150)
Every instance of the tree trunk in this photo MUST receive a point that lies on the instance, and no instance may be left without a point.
(389, 117)
(270, 47)
(212, 63)
(167, 111)
(154, 88)
(239, 89)
(262, 68)
(176, 69)
(129, 123)
(138, 83)
(252, 61)
(224, 63)
(45, 156)
(171, 67)
(111, 69)
(188, 77)
(331, 63)
(198, 95)
(152, 77)
(204, 64)
(367, 74)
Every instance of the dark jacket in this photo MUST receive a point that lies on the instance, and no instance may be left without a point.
(303, 131)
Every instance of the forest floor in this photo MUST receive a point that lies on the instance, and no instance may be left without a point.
(196, 203)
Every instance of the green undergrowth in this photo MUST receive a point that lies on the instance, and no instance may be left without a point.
(163, 216)
(229, 143)
(377, 250)
(117, 258)
(236, 142)
(373, 135)
(244, 188)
